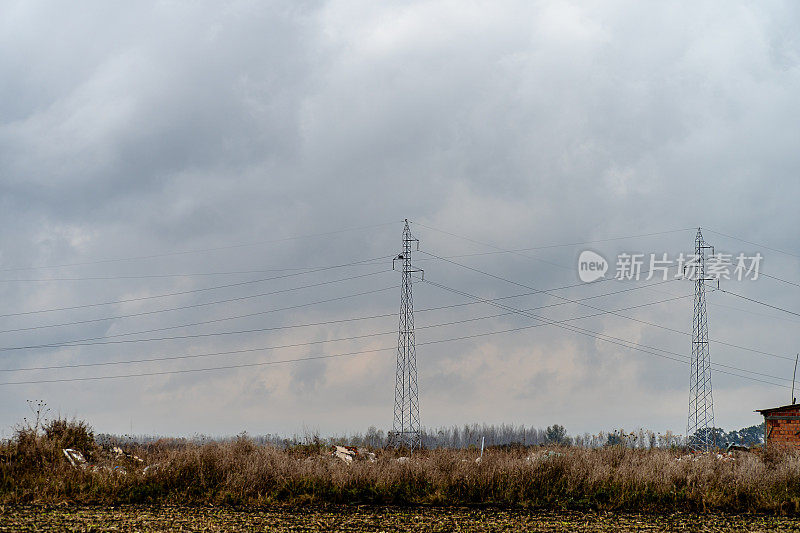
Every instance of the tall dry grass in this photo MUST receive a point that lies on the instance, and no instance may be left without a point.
(32, 469)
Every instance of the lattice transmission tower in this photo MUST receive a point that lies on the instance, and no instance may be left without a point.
(700, 428)
(405, 429)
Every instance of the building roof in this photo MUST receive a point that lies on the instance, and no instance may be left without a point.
(781, 408)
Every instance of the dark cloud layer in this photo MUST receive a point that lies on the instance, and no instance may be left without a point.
(143, 129)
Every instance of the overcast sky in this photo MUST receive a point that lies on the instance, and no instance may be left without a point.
(152, 148)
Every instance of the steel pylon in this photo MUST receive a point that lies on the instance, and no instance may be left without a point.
(700, 427)
(405, 428)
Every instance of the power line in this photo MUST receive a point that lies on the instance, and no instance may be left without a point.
(161, 276)
(596, 241)
(192, 291)
(639, 320)
(84, 342)
(637, 347)
(518, 251)
(195, 356)
(99, 341)
(780, 279)
(596, 334)
(568, 300)
(179, 293)
(364, 262)
(192, 370)
(590, 333)
(501, 250)
(192, 306)
(302, 271)
(202, 250)
(498, 249)
(140, 332)
(756, 313)
(754, 243)
(259, 271)
(212, 354)
(642, 348)
(310, 343)
(760, 302)
(329, 356)
(328, 322)
(464, 321)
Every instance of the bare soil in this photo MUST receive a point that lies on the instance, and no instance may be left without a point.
(355, 518)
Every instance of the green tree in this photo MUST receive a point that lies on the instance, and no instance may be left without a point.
(556, 434)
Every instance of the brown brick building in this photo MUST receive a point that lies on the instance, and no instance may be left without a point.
(782, 425)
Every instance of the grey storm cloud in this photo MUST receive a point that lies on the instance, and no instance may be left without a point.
(204, 138)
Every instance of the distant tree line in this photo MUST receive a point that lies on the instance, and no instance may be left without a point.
(470, 435)
(743, 437)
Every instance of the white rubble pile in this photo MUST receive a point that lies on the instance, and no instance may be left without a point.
(77, 460)
(348, 454)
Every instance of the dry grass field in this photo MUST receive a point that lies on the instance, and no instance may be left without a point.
(33, 469)
(239, 485)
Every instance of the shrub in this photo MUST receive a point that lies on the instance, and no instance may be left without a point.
(76, 434)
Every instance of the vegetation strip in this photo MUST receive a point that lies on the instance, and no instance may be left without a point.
(34, 469)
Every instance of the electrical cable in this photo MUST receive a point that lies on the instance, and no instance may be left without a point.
(203, 250)
(83, 342)
(545, 321)
(779, 279)
(386, 315)
(162, 276)
(759, 302)
(140, 332)
(192, 306)
(191, 291)
(753, 243)
(265, 363)
(641, 321)
(512, 251)
(594, 334)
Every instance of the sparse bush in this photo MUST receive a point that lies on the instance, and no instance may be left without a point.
(76, 434)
